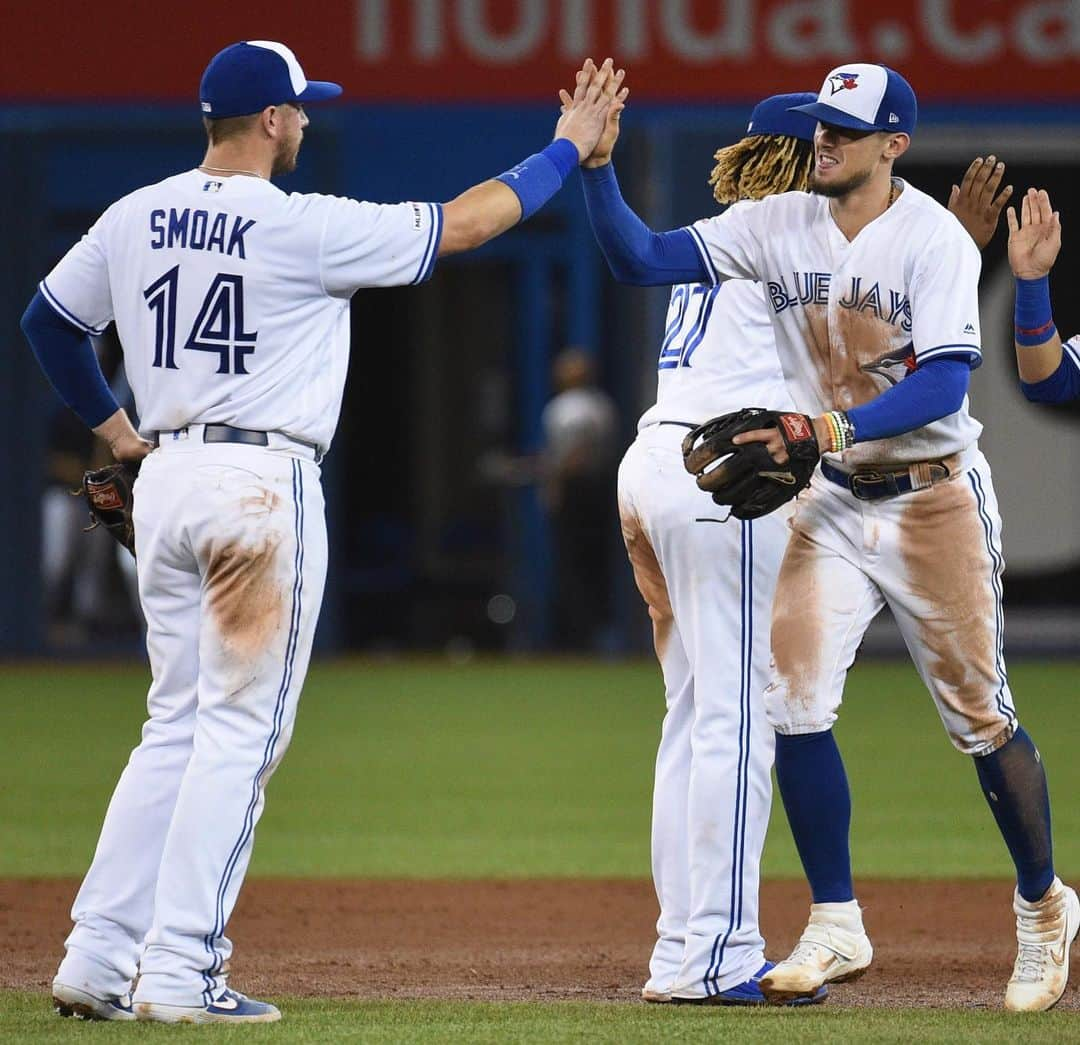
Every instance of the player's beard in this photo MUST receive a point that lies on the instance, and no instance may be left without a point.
(840, 188)
(285, 160)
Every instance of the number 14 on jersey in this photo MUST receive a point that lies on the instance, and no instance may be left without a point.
(219, 326)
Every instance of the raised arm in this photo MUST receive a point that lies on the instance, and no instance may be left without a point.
(492, 207)
(634, 253)
(976, 201)
(1046, 374)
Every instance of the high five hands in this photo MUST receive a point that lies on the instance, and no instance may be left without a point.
(976, 201)
(1034, 240)
(590, 116)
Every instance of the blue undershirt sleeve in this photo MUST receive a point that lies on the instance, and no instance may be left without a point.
(1061, 386)
(70, 363)
(635, 254)
(931, 391)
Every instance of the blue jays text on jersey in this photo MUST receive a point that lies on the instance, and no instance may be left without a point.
(196, 230)
(812, 288)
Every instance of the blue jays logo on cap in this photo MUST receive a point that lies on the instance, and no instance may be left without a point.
(843, 82)
(246, 77)
(864, 97)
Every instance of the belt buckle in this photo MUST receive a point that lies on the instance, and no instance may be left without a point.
(858, 478)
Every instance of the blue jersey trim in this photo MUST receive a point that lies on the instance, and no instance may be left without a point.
(1071, 354)
(972, 352)
(65, 313)
(704, 252)
(431, 253)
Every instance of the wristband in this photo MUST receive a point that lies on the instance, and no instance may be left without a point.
(536, 179)
(841, 431)
(1033, 318)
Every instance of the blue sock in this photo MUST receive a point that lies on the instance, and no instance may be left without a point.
(1014, 782)
(814, 787)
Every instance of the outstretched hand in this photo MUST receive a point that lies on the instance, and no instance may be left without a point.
(1034, 240)
(585, 113)
(601, 154)
(976, 201)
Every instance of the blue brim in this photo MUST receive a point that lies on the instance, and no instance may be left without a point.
(835, 117)
(318, 91)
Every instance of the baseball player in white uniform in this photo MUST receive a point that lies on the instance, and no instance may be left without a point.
(231, 299)
(709, 591)
(872, 289)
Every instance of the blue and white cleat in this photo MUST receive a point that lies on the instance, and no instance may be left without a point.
(73, 1001)
(749, 993)
(228, 1007)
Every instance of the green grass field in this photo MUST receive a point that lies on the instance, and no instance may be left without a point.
(515, 769)
(24, 1017)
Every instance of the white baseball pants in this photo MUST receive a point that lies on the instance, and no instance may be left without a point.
(934, 556)
(231, 543)
(709, 588)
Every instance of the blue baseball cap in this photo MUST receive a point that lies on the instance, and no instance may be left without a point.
(247, 77)
(780, 115)
(865, 98)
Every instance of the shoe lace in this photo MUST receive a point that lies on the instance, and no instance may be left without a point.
(1034, 938)
(1030, 959)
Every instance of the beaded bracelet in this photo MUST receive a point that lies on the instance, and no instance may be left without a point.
(841, 430)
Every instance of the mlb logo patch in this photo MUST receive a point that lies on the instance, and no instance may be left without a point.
(843, 82)
(213, 186)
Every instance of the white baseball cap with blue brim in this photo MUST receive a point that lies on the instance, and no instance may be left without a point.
(863, 97)
(246, 77)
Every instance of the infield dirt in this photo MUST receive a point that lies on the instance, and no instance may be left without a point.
(941, 944)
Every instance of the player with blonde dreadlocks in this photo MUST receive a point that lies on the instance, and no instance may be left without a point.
(761, 165)
(708, 587)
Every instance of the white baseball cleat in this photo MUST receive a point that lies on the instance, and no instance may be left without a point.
(655, 995)
(1045, 931)
(73, 1001)
(834, 948)
(228, 1007)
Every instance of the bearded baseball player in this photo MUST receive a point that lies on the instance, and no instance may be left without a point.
(231, 299)
(873, 298)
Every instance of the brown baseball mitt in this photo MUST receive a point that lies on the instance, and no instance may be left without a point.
(110, 494)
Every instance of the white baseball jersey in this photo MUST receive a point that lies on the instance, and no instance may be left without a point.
(243, 315)
(853, 318)
(1071, 351)
(718, 354)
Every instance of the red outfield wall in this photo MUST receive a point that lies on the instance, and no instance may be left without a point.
(514, 50)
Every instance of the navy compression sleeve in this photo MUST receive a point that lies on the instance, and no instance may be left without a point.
(1062, 386)
(930, 392)
(69, 361)
(635, 254)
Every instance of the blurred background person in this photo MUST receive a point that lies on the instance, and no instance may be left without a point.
(580, 426)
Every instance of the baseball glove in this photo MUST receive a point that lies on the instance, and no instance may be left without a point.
(110, 496)
(745, 476)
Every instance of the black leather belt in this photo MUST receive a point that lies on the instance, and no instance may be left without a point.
(872, 486)
(229, 434)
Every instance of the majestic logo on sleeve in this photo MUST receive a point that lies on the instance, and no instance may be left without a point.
(842, 82)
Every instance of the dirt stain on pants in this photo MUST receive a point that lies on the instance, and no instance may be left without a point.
(649, 578)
